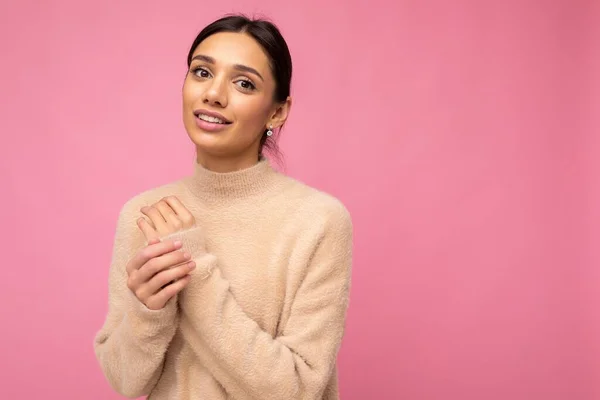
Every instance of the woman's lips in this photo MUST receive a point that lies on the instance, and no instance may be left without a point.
(211, 121)
(210, 126)
(212, 114)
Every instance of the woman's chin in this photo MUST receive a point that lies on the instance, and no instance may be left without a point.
(222, 144)
(212, 144)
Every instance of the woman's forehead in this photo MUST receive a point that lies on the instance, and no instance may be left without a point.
(231, 48)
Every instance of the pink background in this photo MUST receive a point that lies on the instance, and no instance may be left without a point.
(463, 136)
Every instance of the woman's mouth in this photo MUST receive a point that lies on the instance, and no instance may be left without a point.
(210, 121)
(208, 118)
(211, 116)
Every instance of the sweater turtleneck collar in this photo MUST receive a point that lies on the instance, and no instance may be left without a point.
(219, 186)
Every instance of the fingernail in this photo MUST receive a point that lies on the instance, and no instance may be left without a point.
(192, 265)
(186, 255)
(177, 243)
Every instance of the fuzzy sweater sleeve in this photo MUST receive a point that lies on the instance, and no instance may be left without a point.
(133, 340)
(249, 362)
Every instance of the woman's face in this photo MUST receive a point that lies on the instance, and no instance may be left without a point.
(228, 97)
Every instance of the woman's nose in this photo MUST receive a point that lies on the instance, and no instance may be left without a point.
(216, 94)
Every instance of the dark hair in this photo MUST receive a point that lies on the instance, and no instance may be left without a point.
(270, 39)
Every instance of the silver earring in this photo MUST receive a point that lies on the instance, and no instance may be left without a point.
(270, 131)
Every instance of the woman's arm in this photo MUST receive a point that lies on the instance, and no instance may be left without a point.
(249, 362)
(132, 343)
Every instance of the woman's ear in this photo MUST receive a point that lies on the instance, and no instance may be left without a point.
(280, 114)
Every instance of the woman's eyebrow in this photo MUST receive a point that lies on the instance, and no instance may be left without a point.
(238, 67)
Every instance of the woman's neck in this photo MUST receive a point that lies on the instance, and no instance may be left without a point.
(226, 164)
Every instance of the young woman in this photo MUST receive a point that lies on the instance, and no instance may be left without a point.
(233, 282)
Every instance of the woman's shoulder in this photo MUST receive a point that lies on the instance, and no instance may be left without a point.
(315, 203)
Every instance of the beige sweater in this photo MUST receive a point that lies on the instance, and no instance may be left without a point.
(268, 320)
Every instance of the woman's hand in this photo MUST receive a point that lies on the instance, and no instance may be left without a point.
(158, 272)
(165, 217)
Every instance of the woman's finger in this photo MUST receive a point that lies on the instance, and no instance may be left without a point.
(169, 215)
(157, 219)
(149, 232)
(160, 263)
(167, 276)
(158, 301)
(182, 212)
(153, 241)
(151, 251)
(149, 221)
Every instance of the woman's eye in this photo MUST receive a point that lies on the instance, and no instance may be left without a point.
(201, 72)
(246, 85)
